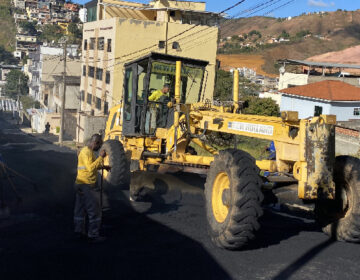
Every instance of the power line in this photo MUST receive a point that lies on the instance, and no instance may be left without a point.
(233, 6)
(174, 36)
(273, 3)
(141, 51)
(254, 7)
(287, 3)
(252, 10)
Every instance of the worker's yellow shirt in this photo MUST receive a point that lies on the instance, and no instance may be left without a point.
(155, 96)
(87, 167)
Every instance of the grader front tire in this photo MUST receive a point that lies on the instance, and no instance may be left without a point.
(119, 177)
(233, 199)
(340, 217)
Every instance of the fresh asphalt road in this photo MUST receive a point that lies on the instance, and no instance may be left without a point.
(162, 238)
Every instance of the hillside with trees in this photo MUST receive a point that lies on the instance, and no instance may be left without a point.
(296, 38)
(8, 27)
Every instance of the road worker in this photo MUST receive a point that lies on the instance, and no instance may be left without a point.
(87, 201)
(157, 94)
(160, 95)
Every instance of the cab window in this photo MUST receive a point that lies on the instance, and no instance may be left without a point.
(128, 89)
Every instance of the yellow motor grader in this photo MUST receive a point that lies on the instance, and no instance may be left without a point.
(144, 135)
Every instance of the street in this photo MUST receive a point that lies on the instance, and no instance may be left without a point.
(164, 237)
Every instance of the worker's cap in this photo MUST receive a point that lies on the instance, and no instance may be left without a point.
(167, 86)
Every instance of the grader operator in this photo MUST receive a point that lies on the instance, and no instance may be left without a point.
(305, 150)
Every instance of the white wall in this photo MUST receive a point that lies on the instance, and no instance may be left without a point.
(71, 50)
(306, 107)
(344, 111)
(274, 96)
(287, 79)
(72, 100)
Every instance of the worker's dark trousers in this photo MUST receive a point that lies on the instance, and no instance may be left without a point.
(87, 203)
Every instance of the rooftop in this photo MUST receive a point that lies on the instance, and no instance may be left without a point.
(326, 90)
(320, 64)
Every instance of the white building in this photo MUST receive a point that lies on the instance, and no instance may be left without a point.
(326, 97)
(83, 15)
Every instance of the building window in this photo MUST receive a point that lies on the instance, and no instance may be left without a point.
(85, 45)
(161, 44)
(92, 43)
(88, 99)
(107, 79)
(91, 71)
(84, 70)
(99, 73)
(100, 45)
(356, 111)
(82, 95)
(98, 103)
(106, 108)
(318, 111)
(109, 45)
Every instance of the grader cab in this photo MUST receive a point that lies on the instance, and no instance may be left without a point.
(147, 134)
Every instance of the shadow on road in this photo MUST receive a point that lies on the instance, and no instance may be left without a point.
(37, 242)
(302, 261)
(277, 227)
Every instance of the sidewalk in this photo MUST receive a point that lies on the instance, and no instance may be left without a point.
(49, 138)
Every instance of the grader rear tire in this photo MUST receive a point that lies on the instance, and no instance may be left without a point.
(340, 217)
(233, 199)
(119, 177)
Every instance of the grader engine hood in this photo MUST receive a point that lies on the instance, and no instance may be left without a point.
(320, 159)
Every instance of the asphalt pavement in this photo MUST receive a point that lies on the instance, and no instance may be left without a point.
(163, 237)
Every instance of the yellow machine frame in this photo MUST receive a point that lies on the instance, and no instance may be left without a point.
(304, 148)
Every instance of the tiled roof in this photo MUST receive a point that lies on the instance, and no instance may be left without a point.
(327, 90)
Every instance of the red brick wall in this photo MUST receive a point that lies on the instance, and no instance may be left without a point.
(347, 132)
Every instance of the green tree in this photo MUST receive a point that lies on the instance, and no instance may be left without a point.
(7, 57)
(248, 88)
(302, 33)
(284, 35)
(29, 27)
(261, 106)
(223, 87)
(75, 34)
(255, 32)
(51, 33)
(73, 29)
(234, 38)
(28, 102)
(16, 83)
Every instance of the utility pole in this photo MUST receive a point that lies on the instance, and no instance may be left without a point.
(62, 112)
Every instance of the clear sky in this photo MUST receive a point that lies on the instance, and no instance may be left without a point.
(273, 7)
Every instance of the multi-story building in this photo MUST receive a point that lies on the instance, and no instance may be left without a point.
(20, 17)
(43, 54)
(71, 7)
(52, 86)
(32, 13)
(44, 4)
(31, 4)
(124, 31)
(20, 4)
(33, 69)
(26, 43)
